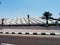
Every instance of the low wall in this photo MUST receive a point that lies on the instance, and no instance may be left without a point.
(32, 27)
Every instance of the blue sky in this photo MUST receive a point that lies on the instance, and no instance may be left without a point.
(20, 8)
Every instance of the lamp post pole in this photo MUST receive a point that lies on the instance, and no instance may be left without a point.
(1, 21)
(2, 24)
(28, 20)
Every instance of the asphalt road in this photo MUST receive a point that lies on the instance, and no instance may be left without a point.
(19, 39)
(30, 39)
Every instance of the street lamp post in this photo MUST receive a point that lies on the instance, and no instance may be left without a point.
(2, 24)
(28, 20)
(1, 20)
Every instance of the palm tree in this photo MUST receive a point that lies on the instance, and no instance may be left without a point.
(47, 15)
(59, 17)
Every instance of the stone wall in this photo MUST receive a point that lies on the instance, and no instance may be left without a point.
(32, 27)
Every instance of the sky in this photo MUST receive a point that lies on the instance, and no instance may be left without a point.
(35, 8)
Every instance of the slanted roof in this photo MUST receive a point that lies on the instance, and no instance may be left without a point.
(24, 20)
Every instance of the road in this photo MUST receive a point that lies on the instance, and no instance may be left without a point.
(30, 39)
(21, 39)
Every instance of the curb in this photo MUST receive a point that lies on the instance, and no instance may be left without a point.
(30, 33)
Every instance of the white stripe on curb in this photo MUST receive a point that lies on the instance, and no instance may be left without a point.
(30, 32)
(57, 33)
(39, 33)
(23, 32)
(47, 33)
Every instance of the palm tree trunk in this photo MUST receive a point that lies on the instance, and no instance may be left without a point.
(47, 22)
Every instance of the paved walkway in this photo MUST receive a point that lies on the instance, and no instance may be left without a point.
(29, 30)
